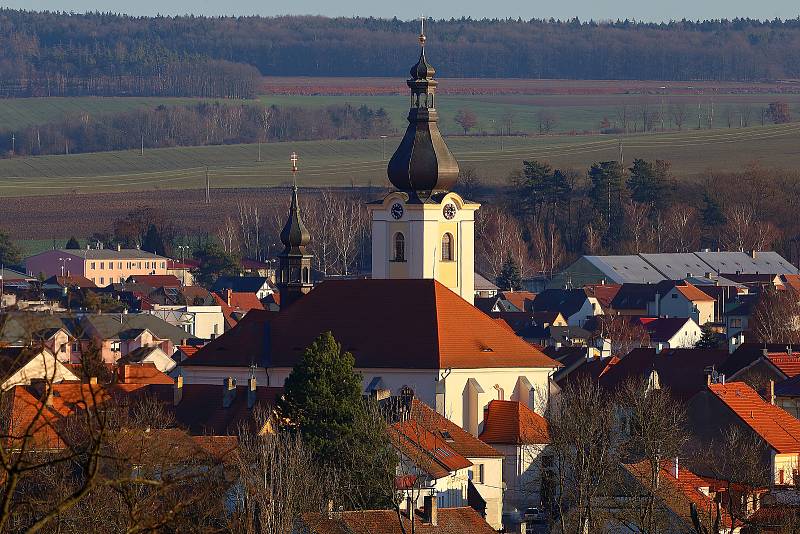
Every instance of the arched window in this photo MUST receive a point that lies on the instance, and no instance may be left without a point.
(294, 275)
(399, 247)
(305, 275)
(447, 247)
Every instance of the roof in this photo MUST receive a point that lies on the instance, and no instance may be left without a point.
(604, 293)
(747, 353)
(634, 296)
(566, 301)
(522, 300)
(200, 409)
(21, 327)
(456, 437)
(679, 265)
(156, 280)
(789, 364)
(682, 371)
(450, 521)
(117, 325)
(693, 294)
(10, 275)
(138, 355)
(625, 269)
(73, 280)
(678, 494)
(241, 284)
(240, 304)
(775, 426)
(483, 284)
(789, 387)
(663, 329)
(106, 254)
(513, 423)
(142, 373)
(767, 262)
(436, 329)
(429, 452)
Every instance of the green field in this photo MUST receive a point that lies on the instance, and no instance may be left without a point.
(362, 161)
(573, 112)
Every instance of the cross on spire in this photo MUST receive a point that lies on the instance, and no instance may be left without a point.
(422, 37)
(294, 159)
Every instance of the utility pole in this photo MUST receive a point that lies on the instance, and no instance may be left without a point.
(621, 155)
(142, 152)
(259, 150)
(208, 188)
(383, 139)
(711, 116)
(13, 144)
(698, 114)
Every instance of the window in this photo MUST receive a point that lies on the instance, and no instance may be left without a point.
(477, 474)
(102, 265)
(163, 265)
(674, 295)
(120, 264)
(294, 275)
(399, 247)
(75, 347)
(63, 348)
(736, 323)
(102, 280)
(305, 275)
(447, 247)
(93, 268)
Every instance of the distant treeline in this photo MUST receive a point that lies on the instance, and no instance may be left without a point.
(64, 54)
(211, 123)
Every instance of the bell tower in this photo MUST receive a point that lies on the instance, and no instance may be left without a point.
(294, 264)
(423, 229)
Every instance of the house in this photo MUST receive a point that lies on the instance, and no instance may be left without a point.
(757, 364)
(484, 288)
(101, 266)
(678, 489)
(574, 304)
(235, 305)
(429, 520)
(654, 268)
(675, 333)
(414, 333)
(149, 355)
(24, 365)
(635, 299)
(140, 373)
(787, 395)
(604, 293)
(521, 435)
(260, 285)
(116, 335)
(506, 301)
(459, 469)
(182, 270)
(722, 405)
(686, 300)
(684, 372)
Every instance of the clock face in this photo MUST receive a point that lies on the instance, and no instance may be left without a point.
(397, 210)
(449, 211)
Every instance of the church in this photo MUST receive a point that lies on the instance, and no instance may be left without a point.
(413, 323)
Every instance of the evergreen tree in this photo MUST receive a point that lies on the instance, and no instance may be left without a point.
(72, 244)
(10, 254)
(606, 193)
(651, 183)
(510, 278)
(153, 242)
(323, 402)
(214, 262)
(708, 339)
(712, 211)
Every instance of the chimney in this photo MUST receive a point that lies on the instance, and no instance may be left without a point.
(251, 391)
(675, 470)
(177, 391)
(753, 254)
(708, 379)
(431, 510)
(119, 247)
(228, 296)
(229, 391)
(772, 392)
(93, 380)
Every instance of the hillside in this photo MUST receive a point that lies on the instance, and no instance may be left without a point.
(55, 54)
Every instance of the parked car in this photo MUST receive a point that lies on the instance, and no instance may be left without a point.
(533, 515)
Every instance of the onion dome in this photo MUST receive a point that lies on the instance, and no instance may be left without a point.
(422, 163)
(294, 235)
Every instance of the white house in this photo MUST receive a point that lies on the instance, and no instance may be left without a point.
(672, 332)
(686, 300)
(202, 322)
(154, 355)
(21, 365)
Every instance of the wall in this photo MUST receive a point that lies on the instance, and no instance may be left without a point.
(686, 337)
(522, 475)
(786, 463)
(43, 366)
(491, 489)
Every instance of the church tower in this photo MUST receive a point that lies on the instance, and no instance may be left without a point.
(423, 229)
(294, 265)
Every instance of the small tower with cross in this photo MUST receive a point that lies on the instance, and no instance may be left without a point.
(294, 264)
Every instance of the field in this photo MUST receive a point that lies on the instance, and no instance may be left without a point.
(362, 162)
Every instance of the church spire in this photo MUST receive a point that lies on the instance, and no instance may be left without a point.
(294, 264)
(422, 163)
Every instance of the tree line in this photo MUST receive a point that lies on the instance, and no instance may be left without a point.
(204, 123)
(51, 53)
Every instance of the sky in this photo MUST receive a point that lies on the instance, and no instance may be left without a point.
(648, 10)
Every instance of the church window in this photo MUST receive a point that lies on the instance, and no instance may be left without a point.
(294, 274)
(399, 247)
(447, 247)
(305, 275)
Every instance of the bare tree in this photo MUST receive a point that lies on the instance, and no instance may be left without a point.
(623, 117)
(743, 231)
(745, 114)
(678, 113)
(498, 235)
(681, 229)
(623, 334)
(548, 252)
(466, 119)
(469, 184)
(228, 235)
(586, 448)
(776, 317)
(639, 228)
(546, 119)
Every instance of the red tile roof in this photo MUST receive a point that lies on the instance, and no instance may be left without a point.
(450, 521)
(201, 412)
(679, 493)
(418, 324)
(789, 364)
(775, 426)
(141, 373)
(693, 293)
(156, 280)
(456, 437)
(233, 302)
(604, 293)
(429, 452)
(522, 300)
(513, 423)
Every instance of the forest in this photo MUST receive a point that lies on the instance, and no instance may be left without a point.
(51, 53)
(204, 123)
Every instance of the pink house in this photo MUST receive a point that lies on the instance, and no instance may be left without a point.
(101, 266)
